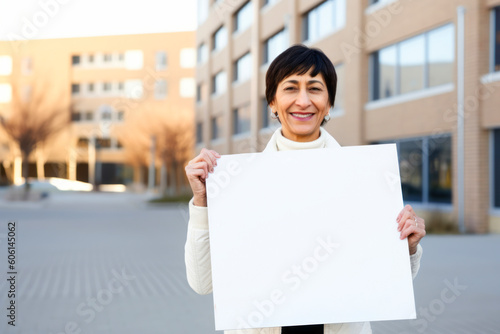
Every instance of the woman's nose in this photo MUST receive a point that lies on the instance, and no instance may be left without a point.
(303, 100)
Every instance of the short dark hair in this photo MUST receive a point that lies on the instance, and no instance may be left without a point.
(298, 59)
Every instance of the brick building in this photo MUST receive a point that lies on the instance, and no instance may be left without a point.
(111, 82)
(422, 74)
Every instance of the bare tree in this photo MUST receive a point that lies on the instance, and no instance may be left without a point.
(135, 136)
(175, 142)
(32, 122)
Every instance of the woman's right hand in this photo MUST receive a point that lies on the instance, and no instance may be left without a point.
(197, 172)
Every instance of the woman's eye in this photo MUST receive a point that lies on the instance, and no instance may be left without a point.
(316, 89)
(289, 88)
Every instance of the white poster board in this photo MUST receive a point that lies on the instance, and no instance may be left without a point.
(308, 237)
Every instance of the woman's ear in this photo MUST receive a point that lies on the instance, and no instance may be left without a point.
(271, 106)
(329, 109)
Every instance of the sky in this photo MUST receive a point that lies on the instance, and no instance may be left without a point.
(43, 19)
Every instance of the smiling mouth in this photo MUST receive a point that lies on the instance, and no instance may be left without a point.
(301, 115)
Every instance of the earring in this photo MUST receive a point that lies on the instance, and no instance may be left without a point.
(327, 117)
(274, 115)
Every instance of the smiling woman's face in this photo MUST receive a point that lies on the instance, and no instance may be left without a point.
(301, 102)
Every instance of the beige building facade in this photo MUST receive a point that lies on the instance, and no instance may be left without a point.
(114, 86)
(422, 74)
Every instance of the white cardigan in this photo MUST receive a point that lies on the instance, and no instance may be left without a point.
(197, 248)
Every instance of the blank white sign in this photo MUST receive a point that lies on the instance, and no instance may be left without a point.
(308, 237)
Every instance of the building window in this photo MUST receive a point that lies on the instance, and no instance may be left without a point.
(219, 83)
(243, 17)
(496, 169)
(425, 169)
(187, 87)
(241, 119)
(106, 115)
(161, 60)
(121, 86)
(411, 64)
(420, 62)
(378, 3)
(82, 142)
(188, 58)
(216, 123)
(160, 89)
(90, 59)
(89, 115)
(76, 116)
(384, 76)
(103, 143)
(90, 87)
(219, 39)
(5, 93)
(120, 115)
(274, 46)
(5, 65)
(324, 19)
(134, 60)
(439, 166)
(198, 92)
(338, 108)
(107, 58)
(202, 11)
(106, 87)
(410, 164)
(75, 60)
(202, 54)
(441, 56)
(75, 89)
(267, 120)
(199, 132)
(268, 2)
(495, 39)
(134, 89)
(243, 68)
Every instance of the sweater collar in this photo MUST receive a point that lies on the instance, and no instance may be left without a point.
(279, 143)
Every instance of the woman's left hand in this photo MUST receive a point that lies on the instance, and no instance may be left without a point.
(412, 226)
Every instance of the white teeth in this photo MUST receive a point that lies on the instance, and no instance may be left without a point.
(302, 115)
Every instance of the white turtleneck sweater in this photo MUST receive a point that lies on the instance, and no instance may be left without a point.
(197, 248)
(278, 142)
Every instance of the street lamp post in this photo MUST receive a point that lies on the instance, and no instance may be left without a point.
(152, 176)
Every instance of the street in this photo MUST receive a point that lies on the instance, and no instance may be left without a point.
(110, 263)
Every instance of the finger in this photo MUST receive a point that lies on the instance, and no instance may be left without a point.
(402, 213)
(217, 155)
(409, 222)
(411, 229)
(198, 174)
(406, 215)
(408, 231)
(210, 158)
(398, 218)
(203, 157)
(204, 154)
(198, 166)
(409, 208)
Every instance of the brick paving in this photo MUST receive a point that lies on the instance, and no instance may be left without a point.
(108, 263)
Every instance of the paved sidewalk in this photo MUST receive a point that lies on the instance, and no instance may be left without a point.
(109, 263)
(457, 289)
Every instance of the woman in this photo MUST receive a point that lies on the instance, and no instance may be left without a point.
(300, 89)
